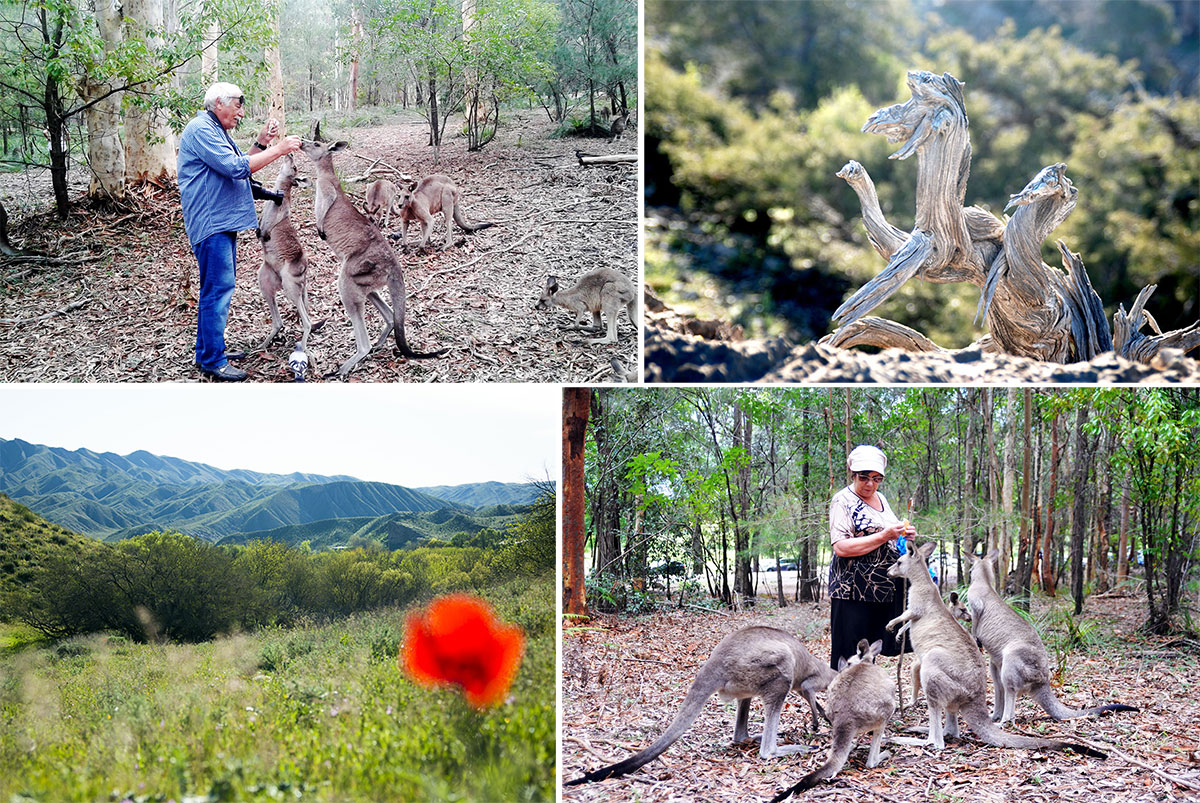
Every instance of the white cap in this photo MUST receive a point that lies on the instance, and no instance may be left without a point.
(867, 458)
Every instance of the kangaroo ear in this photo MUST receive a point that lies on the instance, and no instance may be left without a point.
(551, 284)
(841, 664)
(926, 549)
(340, 145)
(876, 648)
(863, 647)
(995, 553)
(953, 597)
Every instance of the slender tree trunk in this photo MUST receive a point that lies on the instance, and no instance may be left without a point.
(1008, 489)
(355, 45)
(972, 472)
(1079, 517)
(993, 473)
(1046, 578)
(1123, 538)
(275, 108)
(106, 153)
(576, 404)
(1025, 563)
(608, 547)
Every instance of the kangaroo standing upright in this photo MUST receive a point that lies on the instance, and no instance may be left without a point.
(285, 265)
(368, 261)
(603, 289)
(859, 699)
(952, 671)
(421, 200)
(617, 129)
(1019, 661)
(381, 199)
(752, 662)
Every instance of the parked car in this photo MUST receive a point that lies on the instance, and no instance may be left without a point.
(675, 568)
(784, 566)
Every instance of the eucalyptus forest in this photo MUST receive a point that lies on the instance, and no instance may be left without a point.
(691, 512)
(498, 95)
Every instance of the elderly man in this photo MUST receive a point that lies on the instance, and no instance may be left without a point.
(214, 189)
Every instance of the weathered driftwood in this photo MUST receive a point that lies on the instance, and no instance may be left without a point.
(1031, 309)
(612, 158)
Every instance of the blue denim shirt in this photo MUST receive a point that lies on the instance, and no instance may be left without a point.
(214, 180)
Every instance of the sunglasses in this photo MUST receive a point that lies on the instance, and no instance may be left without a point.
(868, 477)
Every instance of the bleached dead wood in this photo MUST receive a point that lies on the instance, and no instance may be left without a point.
(1031, 309)
(614, 158)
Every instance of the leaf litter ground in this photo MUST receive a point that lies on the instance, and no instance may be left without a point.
(624, 679)
(120, 304)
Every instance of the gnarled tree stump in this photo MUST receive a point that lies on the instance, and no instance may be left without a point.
(1031, 309)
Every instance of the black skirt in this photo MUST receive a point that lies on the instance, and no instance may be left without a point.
(851, 620)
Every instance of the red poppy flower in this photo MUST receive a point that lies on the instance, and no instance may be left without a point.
(459, 641)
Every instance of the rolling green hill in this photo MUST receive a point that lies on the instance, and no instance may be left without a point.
(25, 538)
(479, 494)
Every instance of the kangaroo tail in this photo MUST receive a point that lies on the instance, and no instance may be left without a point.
(464, 224)
(839, 751)
(693, 704)
(983, 727)
(1045, 697)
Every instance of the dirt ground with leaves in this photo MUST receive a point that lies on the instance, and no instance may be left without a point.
(117, 301)
(624, 678)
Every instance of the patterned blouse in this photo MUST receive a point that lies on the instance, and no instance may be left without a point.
(863, 578)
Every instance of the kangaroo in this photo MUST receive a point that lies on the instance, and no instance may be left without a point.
(952, 671)
(621, 373)
(960, 612)
(1019, 661)
(860, 699)
(285, 265)
(617, 129)
(420, 201)
(752, 662)
(381, 199)
(603, 289)
(368, 262)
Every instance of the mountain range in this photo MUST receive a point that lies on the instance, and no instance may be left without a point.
(111, 496)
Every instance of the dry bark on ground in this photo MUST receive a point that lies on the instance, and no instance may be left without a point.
(625, 677)
(682, 350)
(130, 317)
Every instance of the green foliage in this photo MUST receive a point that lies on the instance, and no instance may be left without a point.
(611, 593)
(319, 713)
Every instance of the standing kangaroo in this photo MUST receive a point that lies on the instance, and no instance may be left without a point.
(368, 262)
(752, 662)
(420, 201)
(381, 199)
(285, 265)
(952, 671)
(617, 129)
(960, 612)
(1019, 661)
(859, 699)
(603, 289)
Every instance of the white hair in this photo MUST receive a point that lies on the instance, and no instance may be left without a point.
(220, 91)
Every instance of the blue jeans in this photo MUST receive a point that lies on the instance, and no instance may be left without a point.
(217, 255)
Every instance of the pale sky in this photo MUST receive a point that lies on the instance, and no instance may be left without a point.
(411, 435)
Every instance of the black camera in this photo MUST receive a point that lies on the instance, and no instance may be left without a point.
(261, 193)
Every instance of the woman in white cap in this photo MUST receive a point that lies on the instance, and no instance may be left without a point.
(863, 530)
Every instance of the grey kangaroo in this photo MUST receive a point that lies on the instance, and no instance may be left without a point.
(1019, 661)
(381, 199)
(603, 289)
(960, 612)
(952, 671)
(859, 699)
(285, 265)
(752, 662)
(420, 201)
(617, 129)
(368, 261)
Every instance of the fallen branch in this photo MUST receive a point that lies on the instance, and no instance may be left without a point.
(465, 265)
(74, 305)
(586, 159)
(1112, 751)
(645, 660)
(367, 175)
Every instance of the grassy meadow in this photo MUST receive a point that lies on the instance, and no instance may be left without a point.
(318, 713)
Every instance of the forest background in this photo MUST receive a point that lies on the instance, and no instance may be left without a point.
(1082, 490)
(752, 107)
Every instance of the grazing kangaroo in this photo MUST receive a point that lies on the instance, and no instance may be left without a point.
(420, 201)
(617, 129)
(381, 199)
(603, 289)
(752, 662)
(368, 262)
(285, 265)
(952, 670)
(1019, 661)
(859, 699)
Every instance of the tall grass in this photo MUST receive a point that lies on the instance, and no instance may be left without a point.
(313, 713)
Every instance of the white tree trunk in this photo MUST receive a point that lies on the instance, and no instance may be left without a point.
(106, 154)
(276, 108)
(149, 141)
(210, 67)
